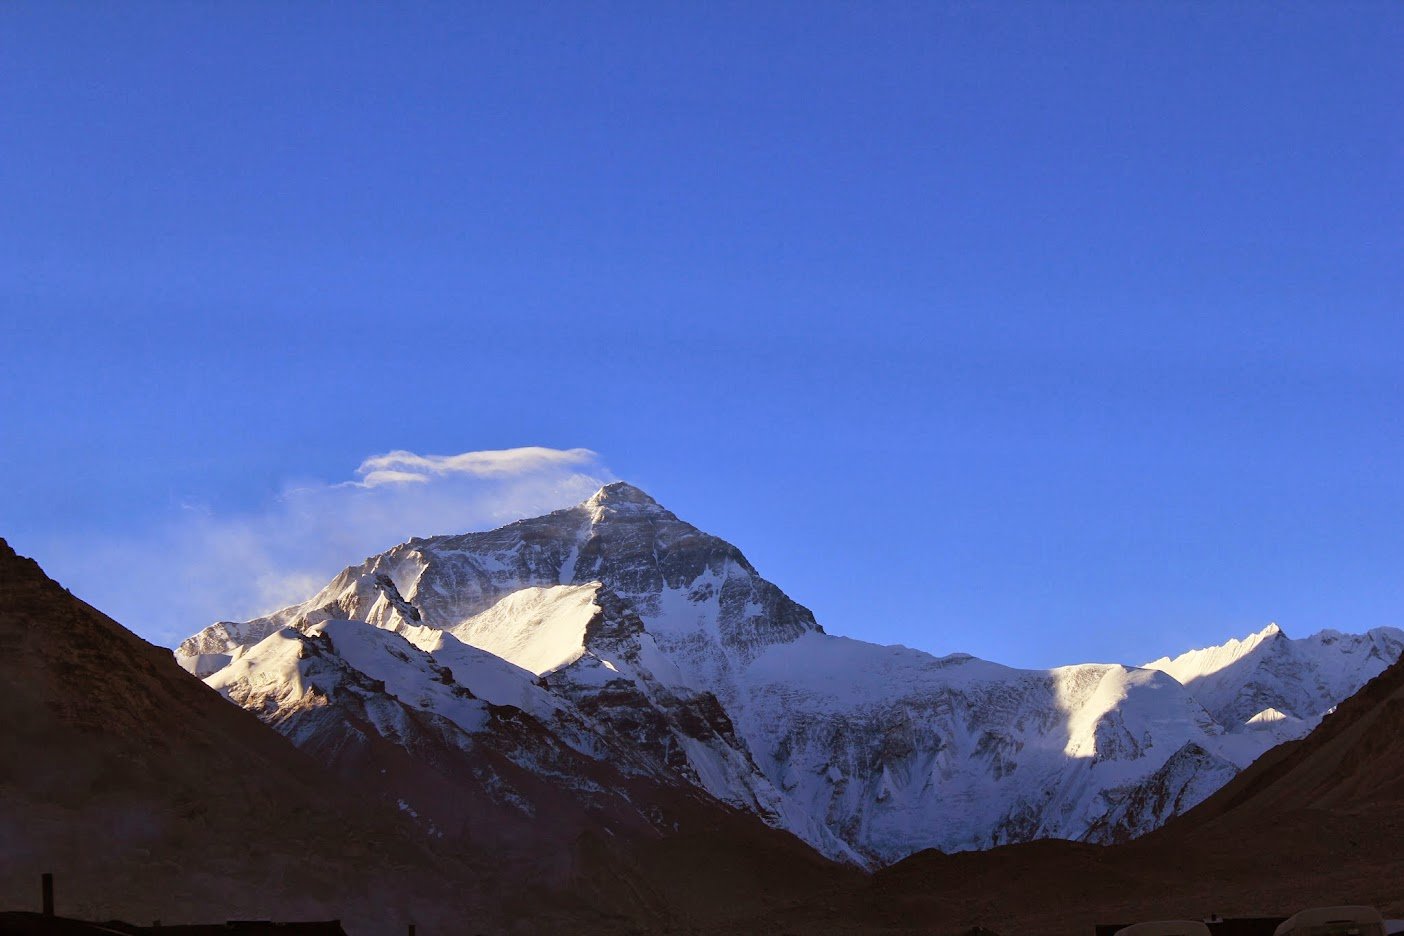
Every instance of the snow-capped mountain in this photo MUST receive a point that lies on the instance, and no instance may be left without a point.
(1270, 682)
(627, 635)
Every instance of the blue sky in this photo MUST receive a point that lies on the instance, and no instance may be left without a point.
(1046, 332)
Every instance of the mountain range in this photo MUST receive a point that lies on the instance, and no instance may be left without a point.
(585, 663)
(378, 785)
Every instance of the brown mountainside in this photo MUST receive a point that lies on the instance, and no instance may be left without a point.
(150, 797)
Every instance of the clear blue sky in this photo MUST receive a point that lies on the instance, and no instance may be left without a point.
(1047, 332)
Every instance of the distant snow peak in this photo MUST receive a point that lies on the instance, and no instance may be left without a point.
(1299, 678)
(1197, 664)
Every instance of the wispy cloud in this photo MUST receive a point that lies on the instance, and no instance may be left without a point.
(201, 566)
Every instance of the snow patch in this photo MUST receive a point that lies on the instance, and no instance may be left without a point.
(539, 629)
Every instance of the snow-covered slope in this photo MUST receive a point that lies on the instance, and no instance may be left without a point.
(371, 704)
(289, 671)
(538, 629)
(638, 637)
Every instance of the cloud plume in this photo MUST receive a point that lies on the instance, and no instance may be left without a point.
(202, 566)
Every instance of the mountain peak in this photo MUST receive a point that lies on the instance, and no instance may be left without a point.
(1268, 716)
(621, 494)
(1272, 630)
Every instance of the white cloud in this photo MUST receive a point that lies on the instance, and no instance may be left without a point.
(199, 566)
(399, 467)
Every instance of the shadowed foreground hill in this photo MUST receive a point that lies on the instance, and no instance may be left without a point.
(1318, 821)
(151, 797)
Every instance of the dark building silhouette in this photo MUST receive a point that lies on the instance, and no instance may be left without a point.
(39, 924)
(48, 923)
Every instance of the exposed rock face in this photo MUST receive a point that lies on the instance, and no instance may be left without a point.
(643, 641)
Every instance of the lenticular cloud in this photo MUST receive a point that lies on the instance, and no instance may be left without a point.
(401, 467)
